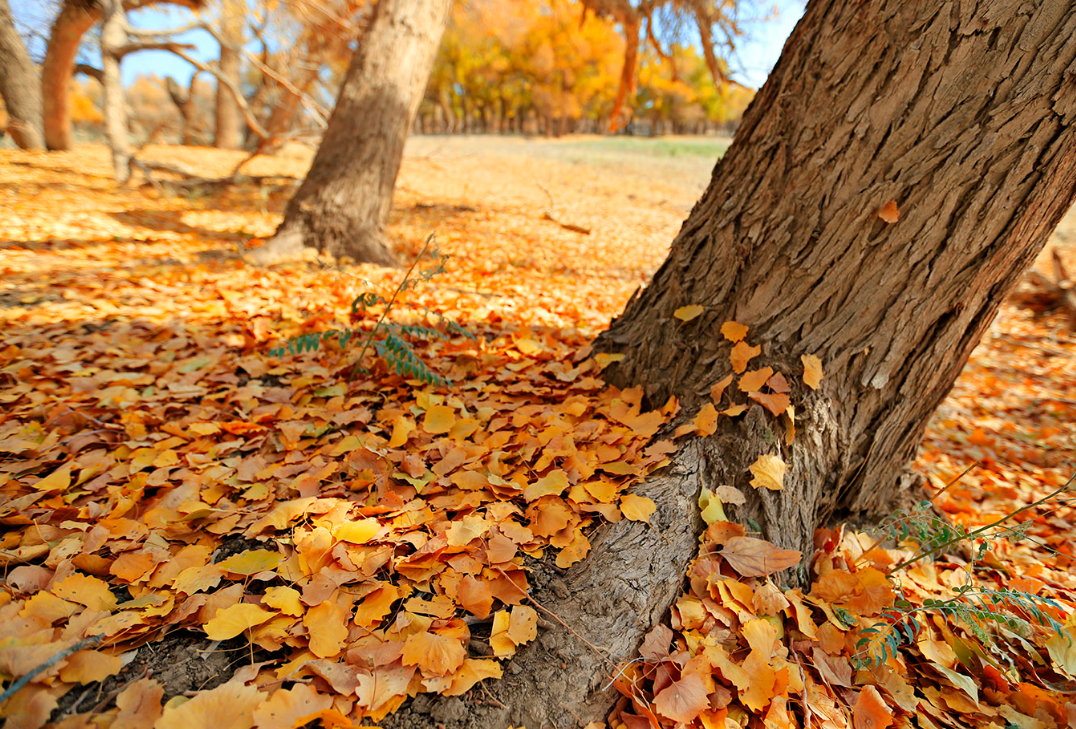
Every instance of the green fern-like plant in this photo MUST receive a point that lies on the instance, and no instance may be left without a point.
(981, 610)
(393, 342)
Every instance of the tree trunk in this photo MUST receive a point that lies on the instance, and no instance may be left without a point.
(228, 131)
(184, 100)
(620, 115)
(19, 86)
(75, 18)
(343, 204)
(113, 40)
(962, 112)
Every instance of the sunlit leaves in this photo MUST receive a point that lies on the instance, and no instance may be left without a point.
(687, 313)
(768, 471)
(234, 620)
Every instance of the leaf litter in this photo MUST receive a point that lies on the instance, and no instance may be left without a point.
(357, 543)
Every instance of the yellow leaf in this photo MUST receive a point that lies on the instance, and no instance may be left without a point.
(284, 599)
(204, 428)
(528, 346)
(705, 421)
(710, 507)
(376, 605)
(605, 359)
(327, 625)
(812, 371)
(435, 655)
(139, 705)
(552, 483)
(502, 645)
(742, 353)
(232, 621)
(636, 508)
(474, 596)
(228, 706)
(357, 532)
(288, 708)
(471, 672)
(463, 531)
(85, 590)
(58, 480)
(251, 562)
(523, 625)
(768, 472)
(687, 313)
(576, 550)
(733, 331)
(439, 420)
(402, 428)
(89, 666)
(719, 389)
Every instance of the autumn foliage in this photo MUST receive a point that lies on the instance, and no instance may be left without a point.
(334, 548)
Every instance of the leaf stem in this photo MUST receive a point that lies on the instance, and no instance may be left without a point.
(388, 308)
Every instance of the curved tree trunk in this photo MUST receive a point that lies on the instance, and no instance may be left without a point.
(75, 18)
(620, 116)
(19, 86)
(343, 203)
(965, 115)
(113, 40)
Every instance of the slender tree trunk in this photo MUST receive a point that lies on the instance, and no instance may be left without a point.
(620, 116)
(228, 130)
(964, 113)
(19, 86)
(75, 18)
(113, 39)
(184, 100)
(343, 204)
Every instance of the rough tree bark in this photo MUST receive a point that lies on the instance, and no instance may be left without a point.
(962, 111)
(344, 201)
(19, 86)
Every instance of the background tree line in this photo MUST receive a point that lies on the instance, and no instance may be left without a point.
(545, 67)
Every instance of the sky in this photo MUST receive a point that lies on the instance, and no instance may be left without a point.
(756, 55)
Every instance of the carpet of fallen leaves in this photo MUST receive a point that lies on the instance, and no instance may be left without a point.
(211, 536)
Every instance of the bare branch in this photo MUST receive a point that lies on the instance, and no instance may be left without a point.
(240, 100)
(319, 113)
(91, 71)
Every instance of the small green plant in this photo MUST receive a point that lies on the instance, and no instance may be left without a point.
(392, 341)
(979, 609)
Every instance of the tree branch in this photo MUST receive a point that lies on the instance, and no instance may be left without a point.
(91, 71)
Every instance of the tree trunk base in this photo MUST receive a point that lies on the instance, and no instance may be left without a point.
(611, 600)
(282, 247)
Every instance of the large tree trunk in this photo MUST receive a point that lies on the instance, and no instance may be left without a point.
(19, 86)
(75, 18)
(964, 113)
(343, 203)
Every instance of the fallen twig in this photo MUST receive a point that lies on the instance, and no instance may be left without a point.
(29, 675)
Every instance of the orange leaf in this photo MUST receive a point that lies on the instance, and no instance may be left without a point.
(636, 508)
(435, 655)
(139, 705)
(756, 557)
(741, 354)
(475, 596)
(752, 381)
(812, 371)
(733, 331)
(327, 624)
(683, 700)
(228, 706)
(705, 421)
(717, 390)
(439, 420)
(870, 711)
(760, 690)
(288, 708)
(889, 213)
(777, 403)
(768, 472)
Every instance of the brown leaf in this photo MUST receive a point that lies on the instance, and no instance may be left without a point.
(753, 557)
(683, 700)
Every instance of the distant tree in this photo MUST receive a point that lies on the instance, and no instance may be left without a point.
(343, 203)
(19, 86)
(228, 132)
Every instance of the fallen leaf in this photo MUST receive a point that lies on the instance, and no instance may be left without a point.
(870, 711)
(435, 655)
(752, 381)
(705, 421)
(733, 331)
(687, 313)
(683, 700)
(753, 557)
(228, 706)
(769, 472)
(327, 624)
(812, 371)
(637, 508)
(288, 708)
(234, 620)
(741, 354)
(718, 389)
(439, 420)
(357, 532)
(139, 705)
(889, 214)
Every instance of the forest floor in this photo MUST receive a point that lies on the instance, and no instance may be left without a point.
(230, 538)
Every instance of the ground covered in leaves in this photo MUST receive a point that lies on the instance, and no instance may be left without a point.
(210, 535)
